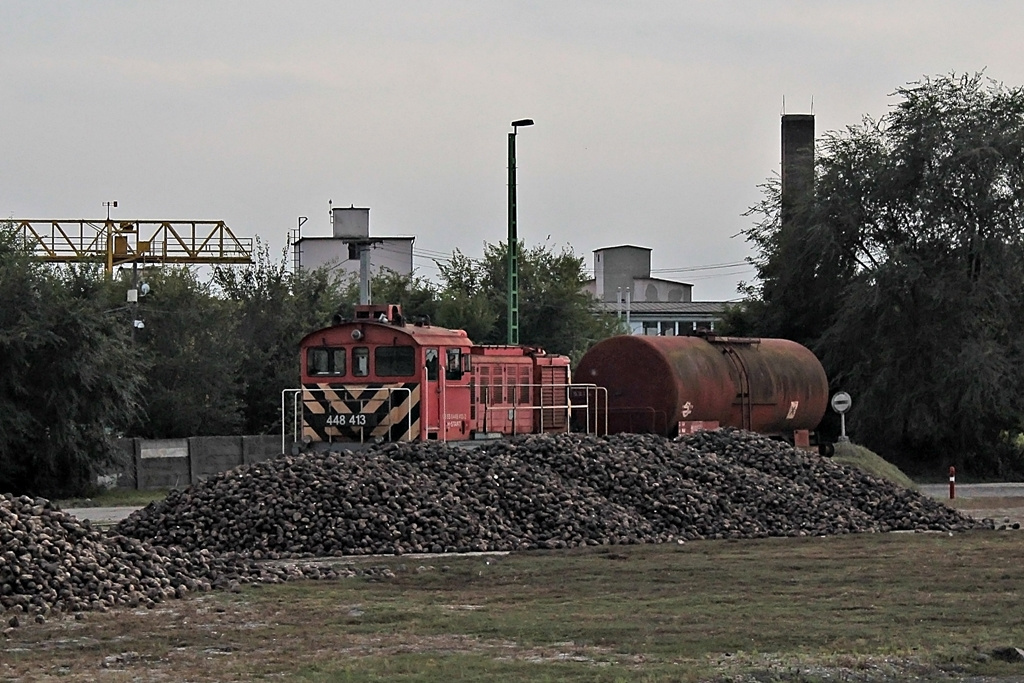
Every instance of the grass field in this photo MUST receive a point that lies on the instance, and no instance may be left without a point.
(864, 607)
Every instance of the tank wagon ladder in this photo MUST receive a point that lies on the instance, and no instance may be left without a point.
(745, 399)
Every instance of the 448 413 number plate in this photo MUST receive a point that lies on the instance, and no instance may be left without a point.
(352, 420)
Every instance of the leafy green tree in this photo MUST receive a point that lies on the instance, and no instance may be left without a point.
(273, 309)
(554, 312)
(193, 386)
(416, 296)
(464, 303)
(69, 376)
(908, 271)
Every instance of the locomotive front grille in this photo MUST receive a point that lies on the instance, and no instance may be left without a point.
(360, 413)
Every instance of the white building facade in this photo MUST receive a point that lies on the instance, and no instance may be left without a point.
(623, 285)
(351, 230)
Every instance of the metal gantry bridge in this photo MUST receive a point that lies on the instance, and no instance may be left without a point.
(118, 242)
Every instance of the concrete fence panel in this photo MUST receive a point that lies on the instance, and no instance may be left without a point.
(213, 454)
(163, 463)
(177, 463)
(260, 448)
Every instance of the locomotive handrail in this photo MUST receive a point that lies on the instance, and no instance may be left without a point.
(569, 406)
(284, 422)
(597, 391)
(513, 408)
(297, 410)
(596, 402)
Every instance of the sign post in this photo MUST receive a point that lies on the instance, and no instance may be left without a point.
(841, 402)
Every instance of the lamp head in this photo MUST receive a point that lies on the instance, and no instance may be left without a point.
(522, 122)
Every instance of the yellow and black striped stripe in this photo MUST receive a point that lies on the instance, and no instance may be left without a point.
(359, 413)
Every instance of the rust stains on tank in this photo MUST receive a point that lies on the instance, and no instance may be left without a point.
(653, 383)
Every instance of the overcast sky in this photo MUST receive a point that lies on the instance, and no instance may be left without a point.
(655, 121)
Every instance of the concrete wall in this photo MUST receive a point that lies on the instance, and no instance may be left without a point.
(177, 463)
(616, 267)
(351, 222)
(655, 289)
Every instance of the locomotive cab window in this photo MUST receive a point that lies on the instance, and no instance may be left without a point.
(431, 363)
(395, 361)
(325, 361)
(360, 361)
(453, 368)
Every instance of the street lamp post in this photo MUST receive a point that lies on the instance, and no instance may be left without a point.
(513, 238)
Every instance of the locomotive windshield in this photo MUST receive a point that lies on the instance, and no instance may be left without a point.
(326, 361)
(453, 370)
(395, 361)
(361, 361)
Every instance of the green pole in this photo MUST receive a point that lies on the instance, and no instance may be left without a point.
(513, 244)
(513, 238)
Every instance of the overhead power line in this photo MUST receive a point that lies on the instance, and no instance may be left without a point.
(692, 269)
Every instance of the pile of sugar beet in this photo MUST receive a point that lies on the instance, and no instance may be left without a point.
(552, 491)
(51, 562)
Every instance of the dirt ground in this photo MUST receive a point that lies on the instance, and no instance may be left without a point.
(1002, 511)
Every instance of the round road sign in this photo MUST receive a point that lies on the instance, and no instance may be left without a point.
(841, 402)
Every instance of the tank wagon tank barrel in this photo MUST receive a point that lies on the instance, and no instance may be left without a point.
(665, 385)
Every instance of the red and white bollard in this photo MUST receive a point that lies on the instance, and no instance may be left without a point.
(952, 482)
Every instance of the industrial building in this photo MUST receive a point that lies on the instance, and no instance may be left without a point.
(623, 286)
(350, 228)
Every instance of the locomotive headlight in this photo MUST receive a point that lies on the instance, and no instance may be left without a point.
(357, 334)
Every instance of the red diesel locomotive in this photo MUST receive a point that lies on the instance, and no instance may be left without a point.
(378, 378)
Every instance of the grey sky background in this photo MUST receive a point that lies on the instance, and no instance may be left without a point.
(655, 121)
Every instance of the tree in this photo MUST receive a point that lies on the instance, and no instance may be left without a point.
(464, 303)
(554, 311)
(416, 296)
(273, 309)
(194, 383)
(69, 376)
(909, 269)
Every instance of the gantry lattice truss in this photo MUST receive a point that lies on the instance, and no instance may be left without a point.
(116, 243)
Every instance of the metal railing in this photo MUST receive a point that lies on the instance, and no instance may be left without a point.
(298, 410)
(594, 408)
(512, 409)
